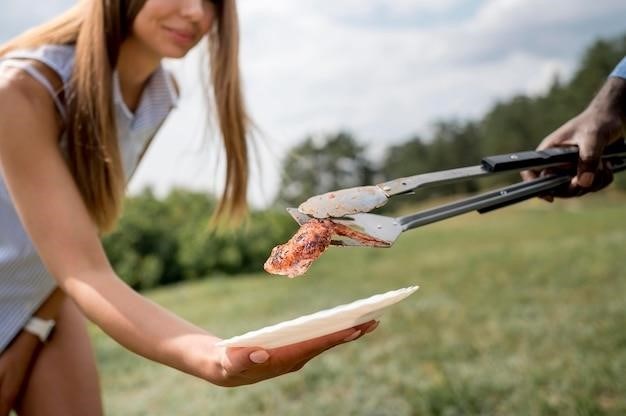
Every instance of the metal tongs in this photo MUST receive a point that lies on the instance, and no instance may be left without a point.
(350, 206)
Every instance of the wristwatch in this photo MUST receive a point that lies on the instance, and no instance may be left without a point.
(42, 328)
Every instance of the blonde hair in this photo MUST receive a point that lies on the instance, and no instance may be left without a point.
(97, 29)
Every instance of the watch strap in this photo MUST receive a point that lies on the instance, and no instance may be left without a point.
(42, 328)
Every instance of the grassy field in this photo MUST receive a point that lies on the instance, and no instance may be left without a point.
(520, 312)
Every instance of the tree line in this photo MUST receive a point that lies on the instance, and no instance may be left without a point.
(518, 123)
(163, 241)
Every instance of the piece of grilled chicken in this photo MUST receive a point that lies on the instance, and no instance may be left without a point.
(313, 238)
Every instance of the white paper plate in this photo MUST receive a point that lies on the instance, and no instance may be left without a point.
(320, 323)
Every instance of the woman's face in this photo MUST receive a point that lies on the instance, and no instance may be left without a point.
(170, 28)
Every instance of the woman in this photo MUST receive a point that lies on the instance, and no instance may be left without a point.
(80, 99)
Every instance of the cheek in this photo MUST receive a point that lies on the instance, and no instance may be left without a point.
(152, 12)
(144, 29)
(144, 25)
(209, 20)
(158, 8)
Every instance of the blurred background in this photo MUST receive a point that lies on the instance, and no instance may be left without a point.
(520, 311)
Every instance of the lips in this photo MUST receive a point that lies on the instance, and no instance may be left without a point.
(181, 35)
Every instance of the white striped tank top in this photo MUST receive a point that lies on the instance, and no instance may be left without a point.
(24, 281)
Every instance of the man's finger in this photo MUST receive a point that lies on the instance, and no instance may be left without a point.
(589, 152)
(529, 175)
(585, 173)
(603, 177)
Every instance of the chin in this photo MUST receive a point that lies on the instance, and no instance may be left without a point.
(174, 52)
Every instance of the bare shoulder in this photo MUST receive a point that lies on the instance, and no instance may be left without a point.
(25, 101)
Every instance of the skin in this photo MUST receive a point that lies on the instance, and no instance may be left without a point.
(16, 363)
(163, 28)
(70, 247)
(599, 125)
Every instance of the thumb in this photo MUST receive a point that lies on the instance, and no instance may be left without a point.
(237, 360)
(589, 152)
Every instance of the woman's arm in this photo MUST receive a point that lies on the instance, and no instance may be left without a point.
(57, 221)
(53, 213)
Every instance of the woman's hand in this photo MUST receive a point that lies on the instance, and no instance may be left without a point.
(601, 124)
(238, 366)
(15, 363)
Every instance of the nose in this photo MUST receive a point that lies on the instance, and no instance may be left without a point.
(193, 9)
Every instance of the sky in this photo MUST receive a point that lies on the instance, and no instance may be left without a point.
(381, 69)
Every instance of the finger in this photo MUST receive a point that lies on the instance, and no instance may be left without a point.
(285, 359)
(589, 152)
(561, 137)
(529, 175)
(366, 328)
(571, 190)
(308, 349)
(238, 360)
(372, 327)
(603, 178)
(567, 190)
(600, 179)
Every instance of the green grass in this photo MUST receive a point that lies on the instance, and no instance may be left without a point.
(521, 311)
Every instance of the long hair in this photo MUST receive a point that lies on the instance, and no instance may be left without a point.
(97, 28)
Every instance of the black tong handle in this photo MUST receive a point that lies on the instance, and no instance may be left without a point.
(544, 158)
(618, 167)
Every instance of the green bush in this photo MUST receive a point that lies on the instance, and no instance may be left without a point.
(163, 241)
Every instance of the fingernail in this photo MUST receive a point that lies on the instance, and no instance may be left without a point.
(259, 357)
(352, 337)
(586, 179)
(372, 327)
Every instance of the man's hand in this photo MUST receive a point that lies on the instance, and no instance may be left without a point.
(15, 364)
(601, 124)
